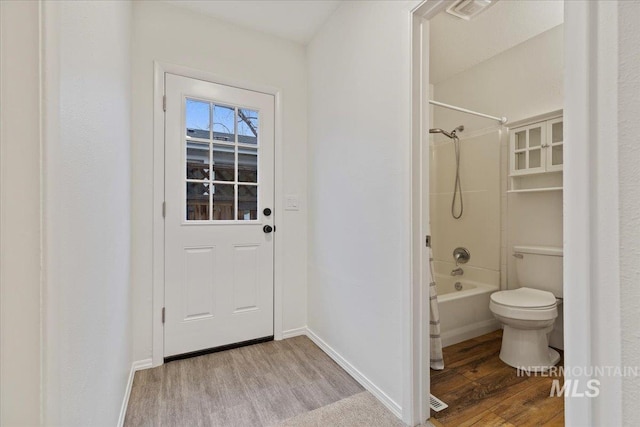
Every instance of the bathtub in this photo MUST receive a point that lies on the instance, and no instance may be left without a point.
(464, 313)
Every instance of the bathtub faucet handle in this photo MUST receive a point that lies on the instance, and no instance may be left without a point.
(461, 255)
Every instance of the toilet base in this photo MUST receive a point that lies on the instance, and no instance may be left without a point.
(528, 349)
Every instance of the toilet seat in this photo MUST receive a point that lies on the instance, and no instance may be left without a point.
(524, 304)
(524, 298)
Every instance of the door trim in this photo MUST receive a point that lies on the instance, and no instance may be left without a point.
(160, 68)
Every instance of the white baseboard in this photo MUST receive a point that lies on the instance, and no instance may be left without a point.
(294, 332)
(470, 331)
(138, 365)
(356, 374)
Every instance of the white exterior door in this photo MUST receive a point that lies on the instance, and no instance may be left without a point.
(219, 192)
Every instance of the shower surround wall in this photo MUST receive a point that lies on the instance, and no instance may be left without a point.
(465, 313)
(479, 227)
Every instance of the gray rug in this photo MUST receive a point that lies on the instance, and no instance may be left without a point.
(359, 410)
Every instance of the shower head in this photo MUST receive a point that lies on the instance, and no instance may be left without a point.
(458, 129)
(451, 134)
(438, 130)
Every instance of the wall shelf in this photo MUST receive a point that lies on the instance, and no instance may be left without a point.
(535, 190)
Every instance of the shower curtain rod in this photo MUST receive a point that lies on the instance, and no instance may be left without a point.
(502, 120)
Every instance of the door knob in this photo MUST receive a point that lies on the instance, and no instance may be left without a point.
(267, 229)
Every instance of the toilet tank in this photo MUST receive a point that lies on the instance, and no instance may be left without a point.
(539, 267)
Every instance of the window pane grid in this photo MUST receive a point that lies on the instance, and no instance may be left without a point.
(222, 130)
(235, 214)
(206, 181)
(211, 171)
(218, 142)
(235, 122)
(207, 141)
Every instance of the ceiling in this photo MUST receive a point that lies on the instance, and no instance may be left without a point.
(457, 45)
(295, 20)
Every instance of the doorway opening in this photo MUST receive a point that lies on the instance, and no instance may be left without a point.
(492, 190)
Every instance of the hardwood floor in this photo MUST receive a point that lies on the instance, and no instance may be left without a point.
(258, 385)
(481, 390)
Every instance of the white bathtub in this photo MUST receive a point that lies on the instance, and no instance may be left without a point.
(464, 314)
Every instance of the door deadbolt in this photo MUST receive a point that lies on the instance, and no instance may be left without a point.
(266, 212)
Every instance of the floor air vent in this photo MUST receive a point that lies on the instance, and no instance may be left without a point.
(437, 404)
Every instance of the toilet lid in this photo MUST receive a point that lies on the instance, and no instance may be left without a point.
(524, 298)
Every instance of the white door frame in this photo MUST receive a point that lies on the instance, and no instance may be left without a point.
(160, 68)
(591, 272)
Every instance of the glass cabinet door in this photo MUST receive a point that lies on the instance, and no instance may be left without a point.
(527, 149)
(554, 146)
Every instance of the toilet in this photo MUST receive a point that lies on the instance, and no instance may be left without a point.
(528, 313)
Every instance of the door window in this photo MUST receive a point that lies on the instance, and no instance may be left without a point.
(221, 148)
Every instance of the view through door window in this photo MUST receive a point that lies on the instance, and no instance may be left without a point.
(222, 145)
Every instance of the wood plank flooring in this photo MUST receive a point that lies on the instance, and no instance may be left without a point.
(481, 390)
(258, 385)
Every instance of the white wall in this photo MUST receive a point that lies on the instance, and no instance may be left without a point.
(87, 177)
(175, 35)
(20, 209)
(524, 81)
(359, 180)
(629, 175)
(521, 82)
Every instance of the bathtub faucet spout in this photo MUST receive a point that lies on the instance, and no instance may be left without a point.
(457, 272)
